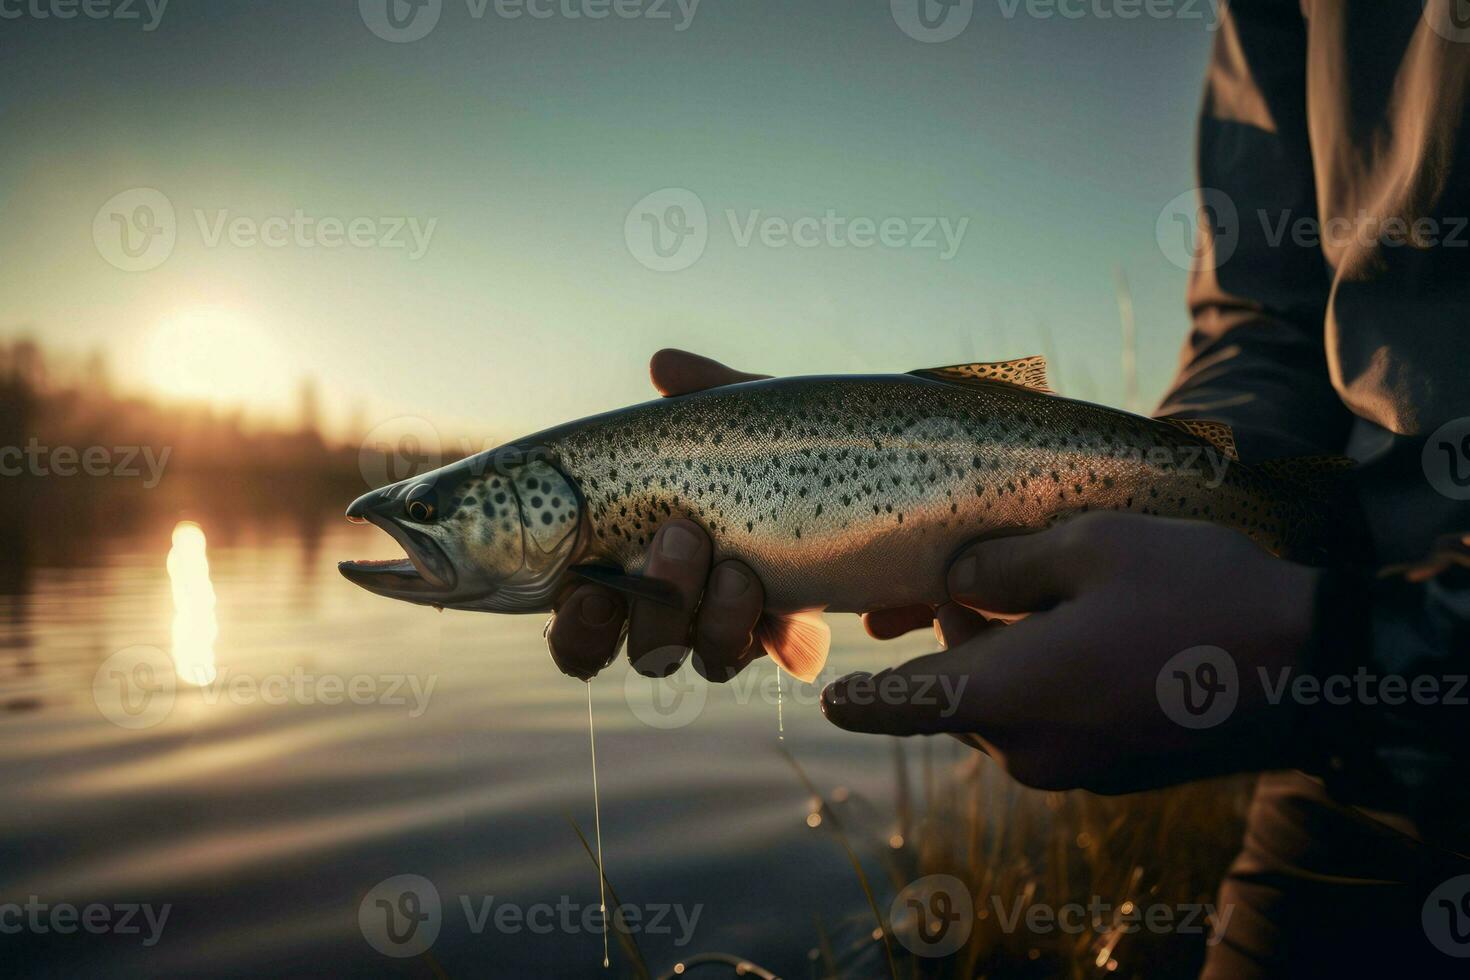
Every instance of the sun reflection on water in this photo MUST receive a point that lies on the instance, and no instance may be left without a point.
(194, 627)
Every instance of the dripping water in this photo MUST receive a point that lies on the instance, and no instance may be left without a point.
(597, 824)
(780, 714)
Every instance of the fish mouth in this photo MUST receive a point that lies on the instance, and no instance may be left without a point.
(424, 574)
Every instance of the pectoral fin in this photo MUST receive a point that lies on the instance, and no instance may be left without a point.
(652, 589)
(797, 641)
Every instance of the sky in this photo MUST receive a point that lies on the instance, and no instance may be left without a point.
(227, 197)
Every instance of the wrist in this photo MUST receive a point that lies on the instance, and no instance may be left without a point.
(1337, 645)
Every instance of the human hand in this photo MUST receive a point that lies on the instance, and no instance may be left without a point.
(1070, 696)
(590, 619)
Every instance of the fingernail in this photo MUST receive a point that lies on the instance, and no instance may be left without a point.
(677, 542)
(963, 573)
(729, 583)
(595, 610)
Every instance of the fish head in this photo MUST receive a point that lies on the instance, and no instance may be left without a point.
(492, 532)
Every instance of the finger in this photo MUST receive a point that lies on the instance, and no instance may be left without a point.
(585, 634)
(954, 625)
(1001, 684)
(677, 372)
(977, 687)
(886, 624)
(727, 617)
(924, 696)
(1021, 572)
(728, 672)
(658, 635)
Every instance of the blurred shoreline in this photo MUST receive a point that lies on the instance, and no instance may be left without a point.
(80, 459)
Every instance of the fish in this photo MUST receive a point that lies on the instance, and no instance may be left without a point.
(843, 493)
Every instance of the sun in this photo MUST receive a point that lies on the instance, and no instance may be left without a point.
(217, 355)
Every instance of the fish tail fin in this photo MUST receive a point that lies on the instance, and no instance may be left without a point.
(799, 642)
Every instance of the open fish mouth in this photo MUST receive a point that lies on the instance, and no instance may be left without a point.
(423, 574)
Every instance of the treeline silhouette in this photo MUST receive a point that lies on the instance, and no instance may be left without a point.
(80, 408)
(164, 462)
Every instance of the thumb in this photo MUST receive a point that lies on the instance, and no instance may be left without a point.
(1022, 573)
(938, 692)
(677, 372)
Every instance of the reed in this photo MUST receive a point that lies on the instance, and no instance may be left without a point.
(1014, 848)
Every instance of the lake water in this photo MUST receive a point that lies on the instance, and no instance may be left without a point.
(347, 740)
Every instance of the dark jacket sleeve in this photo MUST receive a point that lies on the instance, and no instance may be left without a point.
(1255, 356)
(1393, 646)
(1389, 733)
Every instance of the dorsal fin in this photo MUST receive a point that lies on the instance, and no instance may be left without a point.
(1297, 469)
(1217, 434)
(1024, 372)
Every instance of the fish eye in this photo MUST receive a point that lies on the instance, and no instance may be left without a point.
(420, 503)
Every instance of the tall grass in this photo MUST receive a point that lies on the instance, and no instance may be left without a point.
(1014, 848)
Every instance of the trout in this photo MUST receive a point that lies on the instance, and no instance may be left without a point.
(842, 493)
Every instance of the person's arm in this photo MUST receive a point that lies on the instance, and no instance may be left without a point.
(1255, 357)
